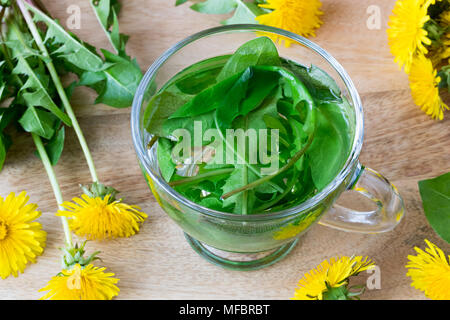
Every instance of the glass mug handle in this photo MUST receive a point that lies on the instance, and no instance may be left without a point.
(372, 185)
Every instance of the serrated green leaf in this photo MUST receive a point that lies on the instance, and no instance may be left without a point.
(70, 48)
(435, 194)
(107, 12)
(118, 39)
(39, 122)
(179, 2)
(120, 82)
(34, 92)
(215, 6)
(20, 41)
(25, 50)
(102, 9)
(117, 84)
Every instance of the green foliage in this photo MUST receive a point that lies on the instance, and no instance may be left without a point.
(69, 47)
(253, 89)
(5, 142)
(55, 145)
(35, 91)
(7, 116)
(330, 139)
(38, 121)
(26, 86)
(318, 82)
(161, 107)
(107, 12)
(179, 2)
(116, 84)
(215, 6)
(207, 100)
(259, 51)
(117, 77)
(167, 166)
(244, 11)
(241, 203)
(99, 190)
(435, 195)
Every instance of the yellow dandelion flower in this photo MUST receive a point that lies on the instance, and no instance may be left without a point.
(88, 283)
(423, 81)
(298, 16)
(21, 237)
(406, 35)
(331, 274)
(430, 272)
(97, 218)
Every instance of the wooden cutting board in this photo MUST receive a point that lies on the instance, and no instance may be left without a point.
(400, 141)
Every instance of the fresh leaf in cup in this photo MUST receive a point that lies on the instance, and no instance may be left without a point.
(252, 90)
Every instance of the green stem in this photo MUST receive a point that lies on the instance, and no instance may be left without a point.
(48, 168)
(59, 87)
(55, 185)
(281, 196)
(201, 176)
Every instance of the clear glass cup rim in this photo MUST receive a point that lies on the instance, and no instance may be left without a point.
(138, 138)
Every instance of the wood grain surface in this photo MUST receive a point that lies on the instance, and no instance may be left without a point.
(400, 141)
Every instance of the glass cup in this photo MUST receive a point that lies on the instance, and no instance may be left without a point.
(246, 242)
